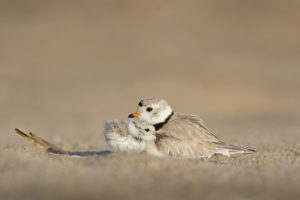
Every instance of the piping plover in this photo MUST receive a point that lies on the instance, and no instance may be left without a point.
(146, 132)
(131, 136)
(182, 135)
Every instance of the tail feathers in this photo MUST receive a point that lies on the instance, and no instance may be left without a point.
(228, 150)
(239, 150)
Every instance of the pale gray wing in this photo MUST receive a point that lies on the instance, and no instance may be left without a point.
(185, 136)
(190, 127)
(211, 138)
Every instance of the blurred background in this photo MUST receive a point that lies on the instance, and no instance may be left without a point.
(67, 66)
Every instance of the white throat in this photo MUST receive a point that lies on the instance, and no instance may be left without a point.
(163, 115)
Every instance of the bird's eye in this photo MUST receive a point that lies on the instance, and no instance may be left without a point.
(149, 109)
(147, 129)
(140, 104)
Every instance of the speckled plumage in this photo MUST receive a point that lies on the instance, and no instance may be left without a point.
(131, 136)
(117, 136)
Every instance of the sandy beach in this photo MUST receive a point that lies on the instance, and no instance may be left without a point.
(67, 67)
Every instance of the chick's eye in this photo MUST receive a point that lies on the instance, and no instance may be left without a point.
(147, 129)
(149, 109)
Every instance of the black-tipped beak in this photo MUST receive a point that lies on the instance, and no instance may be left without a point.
(133, 115)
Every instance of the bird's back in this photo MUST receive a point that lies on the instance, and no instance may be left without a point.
(185, 136)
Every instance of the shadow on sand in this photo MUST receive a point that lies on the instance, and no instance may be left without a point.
(81, 153)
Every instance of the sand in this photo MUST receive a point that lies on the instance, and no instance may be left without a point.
(67, 67)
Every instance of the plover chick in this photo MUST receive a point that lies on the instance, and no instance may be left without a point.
(131, 136)
(182, 135)
(145, 132)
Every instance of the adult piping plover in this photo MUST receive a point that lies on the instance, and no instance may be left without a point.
(131, 136)
(182, 135)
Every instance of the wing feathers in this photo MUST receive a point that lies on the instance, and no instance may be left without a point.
(186, 136)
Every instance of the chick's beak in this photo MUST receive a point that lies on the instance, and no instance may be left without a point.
(133, 115)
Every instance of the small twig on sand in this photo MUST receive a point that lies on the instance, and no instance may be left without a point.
(48, 146)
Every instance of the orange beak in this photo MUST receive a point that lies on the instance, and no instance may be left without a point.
(135, 114)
